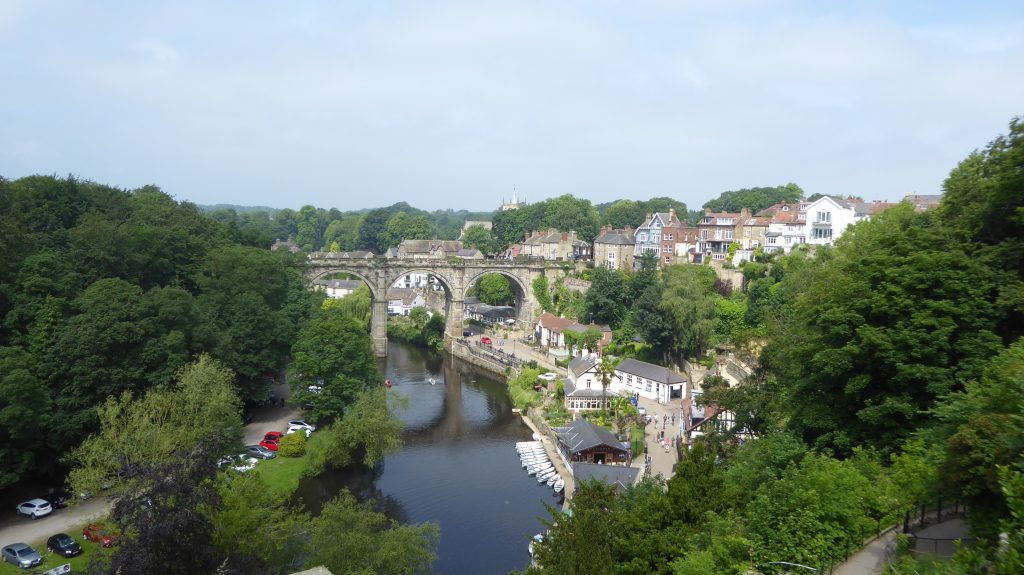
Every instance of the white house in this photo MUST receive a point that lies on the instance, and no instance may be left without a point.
(654, 382)
(827, 219)
(401, 301)
(583, 385)
(412, 280)
(338, 288)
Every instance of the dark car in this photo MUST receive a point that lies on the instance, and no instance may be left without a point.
(62, 544)
(58, 499)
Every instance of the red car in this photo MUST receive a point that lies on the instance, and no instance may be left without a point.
(485, 340)
(271, 440)
(98, 533)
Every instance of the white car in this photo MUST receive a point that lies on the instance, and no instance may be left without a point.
(34, 508)
(294, 428)
(240, 463)
(301, 423)
(642, 411)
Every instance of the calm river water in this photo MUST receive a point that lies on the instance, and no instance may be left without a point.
(458, 467)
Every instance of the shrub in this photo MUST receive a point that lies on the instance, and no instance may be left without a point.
(293, 445)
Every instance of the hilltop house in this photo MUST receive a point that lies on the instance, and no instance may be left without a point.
(613, 248)
(552, 244)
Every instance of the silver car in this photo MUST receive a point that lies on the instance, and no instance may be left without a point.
(21, 555)
(260, 451)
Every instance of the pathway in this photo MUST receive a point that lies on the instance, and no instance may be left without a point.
(869, 560)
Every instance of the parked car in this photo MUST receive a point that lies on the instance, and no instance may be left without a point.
(240, 463)
(34, 508)
(21, 555)
(62, 544)
(302, 423)
(272, 440)
(294, 428)
(260, 451)
(485, 340)
(58, 499)
(642, 411)
(98, 533)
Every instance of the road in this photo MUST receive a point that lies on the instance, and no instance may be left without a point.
(20, 529)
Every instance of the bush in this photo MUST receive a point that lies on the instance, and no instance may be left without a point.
(293, 445)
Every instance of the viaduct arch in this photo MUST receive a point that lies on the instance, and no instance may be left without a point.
(455, 276)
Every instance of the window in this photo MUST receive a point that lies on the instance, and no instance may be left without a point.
(728, 234)
(822, 233)
(668, 259)
(668, 237)
(641, 237)
(666, 250)
(704, 234)
(825, 217)
(648, 388)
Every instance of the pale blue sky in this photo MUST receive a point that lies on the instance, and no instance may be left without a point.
(453, 103)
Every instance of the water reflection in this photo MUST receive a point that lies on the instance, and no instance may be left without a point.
(458, 466)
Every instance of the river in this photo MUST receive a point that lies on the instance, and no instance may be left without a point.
(458, 466)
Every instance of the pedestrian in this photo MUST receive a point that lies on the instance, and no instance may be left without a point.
(673, 419)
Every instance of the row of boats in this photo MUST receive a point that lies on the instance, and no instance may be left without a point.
(536, 462)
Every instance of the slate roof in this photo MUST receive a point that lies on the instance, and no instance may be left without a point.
(650, 371)
(407, 295)
(619, 476)
(582, 364)
(571, 390)
(341, 284)
(583, 435)
(616, 238)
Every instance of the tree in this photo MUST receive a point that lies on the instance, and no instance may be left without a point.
(479, 237)
(541, 293)
(332, 352)
(755, 199)
(624, 213)
(373, 231)
(582, 542)
(350, 537)
(604, 299)
(494, 289)
(156, 427)
(567, 213)
(606, 372)
(689, 307)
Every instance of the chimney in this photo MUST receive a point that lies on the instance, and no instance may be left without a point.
(671, 214)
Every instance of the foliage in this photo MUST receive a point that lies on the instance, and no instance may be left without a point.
(520, 388)
(689, 307)
(350, 537)
(541, 293)
(895, 317)
(333, 352)
(755, 199)
(581, 542)
(495, 289)
(156, 427)
(367, 432)
(479, 237)
(292, 445)
(606, 296)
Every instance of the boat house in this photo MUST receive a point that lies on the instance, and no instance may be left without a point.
(584, 442)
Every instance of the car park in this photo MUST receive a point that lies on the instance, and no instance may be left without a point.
(22, 555)
(98, 533)
(302, 423)
(58, 499)
(62, 544)
(35, 508)
(271, 440)
(259, 451)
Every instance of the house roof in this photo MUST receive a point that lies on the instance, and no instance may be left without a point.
(650, 371)
(618, 475)
(407, 295)
(554, 323)
(582, 364)
(583, 435)
(341, 284)
(430, 246)
(577, 392)
(624, 237)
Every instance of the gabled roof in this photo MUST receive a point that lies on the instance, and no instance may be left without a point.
(650, 371)
(616, 238)
(554, 323)
(341, 284)
(406, 295)
(618, 475)
(583, 435)
(582, 364)
(571, 390)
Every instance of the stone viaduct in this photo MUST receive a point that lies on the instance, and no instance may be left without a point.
(455, 276)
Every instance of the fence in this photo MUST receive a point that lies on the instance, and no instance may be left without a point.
(942, 543)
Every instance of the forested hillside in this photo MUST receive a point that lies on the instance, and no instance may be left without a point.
(105, 290)
(891, 374)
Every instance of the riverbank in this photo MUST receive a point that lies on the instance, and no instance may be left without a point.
(556, 459)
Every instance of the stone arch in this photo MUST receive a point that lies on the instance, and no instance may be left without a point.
(359, 273)
(521, 289)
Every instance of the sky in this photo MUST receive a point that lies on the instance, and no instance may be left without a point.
(456, 104)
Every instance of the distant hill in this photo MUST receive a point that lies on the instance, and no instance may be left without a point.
(239, 209)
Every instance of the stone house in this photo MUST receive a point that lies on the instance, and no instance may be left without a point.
(552, 244)
(614, 248)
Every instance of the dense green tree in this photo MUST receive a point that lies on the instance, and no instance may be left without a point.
(580, 543)
(567, 213)
(367, 432)
(689, 307)
(495, 289)
(605, 300)
(510, 227)
(479, 237)
(542, 294)
(26, 415)
(624, 213)
(373, 231)
(333, 352)
(755, 199)
(351, 538)
(895, 318)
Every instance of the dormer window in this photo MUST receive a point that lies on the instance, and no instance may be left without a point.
(785, 208)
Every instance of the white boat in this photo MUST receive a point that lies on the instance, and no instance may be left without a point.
(542, 478)
(541, 467)
(553, 479)
(432, 382)
(536, 539)
(539, 470)
(559, 485)
(536, 437)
